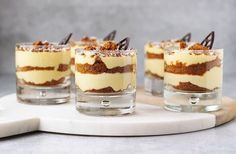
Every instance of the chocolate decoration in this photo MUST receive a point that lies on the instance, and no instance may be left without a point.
(65, 40)
(123, 44)
(186, 38)
(111, 36)
(209, 40)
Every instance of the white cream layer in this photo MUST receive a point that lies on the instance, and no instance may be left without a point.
(110, 62)
(39, 77)
(42, 59)
(155, 66)
(184, 57)
(118, 81)
(211, 79)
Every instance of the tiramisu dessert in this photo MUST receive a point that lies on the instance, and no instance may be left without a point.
(43, 72)
(154, 62)
(85, 41)
(106, 78)
(193, 77)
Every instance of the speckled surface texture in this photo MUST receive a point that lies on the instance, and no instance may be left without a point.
(28, 20)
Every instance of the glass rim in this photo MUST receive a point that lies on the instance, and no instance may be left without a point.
(30, 44)
(106, 52)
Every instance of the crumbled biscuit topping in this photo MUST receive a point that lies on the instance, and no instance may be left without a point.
(40, 43)
(182, 44)
(88, 39)
(198, 46)
(89, 47)
(108, 45)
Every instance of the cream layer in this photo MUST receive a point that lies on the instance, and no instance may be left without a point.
(73, 48)
(153, 48)
(118, 81)
(40, 77)
(42, 59)
(110, 62)
(211, 79)
(185, 57)
(155, 66)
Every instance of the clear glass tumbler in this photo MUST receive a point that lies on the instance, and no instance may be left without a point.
(193, 80)
(154, 68)
(42, 73)
(106, 81)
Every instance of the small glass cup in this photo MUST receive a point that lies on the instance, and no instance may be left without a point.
(193, 80)
(154, 68)
(42, 73)
(74, 45)
(106, 81)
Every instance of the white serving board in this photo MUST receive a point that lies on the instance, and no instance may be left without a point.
(17, 118)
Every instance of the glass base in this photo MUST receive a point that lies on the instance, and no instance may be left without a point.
(43, 95)
(181, 101)
(154, 86)
(106, 104)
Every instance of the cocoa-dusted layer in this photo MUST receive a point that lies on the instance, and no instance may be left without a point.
(100, 67)
(154, 55)
(61, 68)
(45, 84)
(194, 69)
(188, 86)
(149, 73)
(72, 61)
(33, 68)
(103, 90)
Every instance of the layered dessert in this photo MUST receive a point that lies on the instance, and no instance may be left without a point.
(87, 41)
(80, 45)
(108, 73)
(196, 69)
(40, 65)
(105, 70)
(196, 72)
(154, 63)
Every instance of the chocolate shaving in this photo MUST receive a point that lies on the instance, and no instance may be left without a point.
(209, 40)
(186, 38)
(123, 44)
(111, 36)
(65, 40)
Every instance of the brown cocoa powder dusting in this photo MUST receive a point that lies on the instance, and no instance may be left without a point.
(63, 67)
(99, 67)
(45, 84)
(72, 61)
(193, 69)
(188, 86)
(103, 90)
(149, 73)
(154, 55)
(32, 68)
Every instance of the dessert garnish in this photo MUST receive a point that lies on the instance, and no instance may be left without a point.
(109, 45)
(111, 36)
(90, 47)
(65, 40)
(186, 38)
(198, 46)
(123, 44)
(88, 39)
(40, 43)
(209, 40)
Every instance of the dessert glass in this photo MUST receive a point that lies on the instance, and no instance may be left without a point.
(106, 81)
(154, 68)
(79, 45)
(193, 80)
(42, 73)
